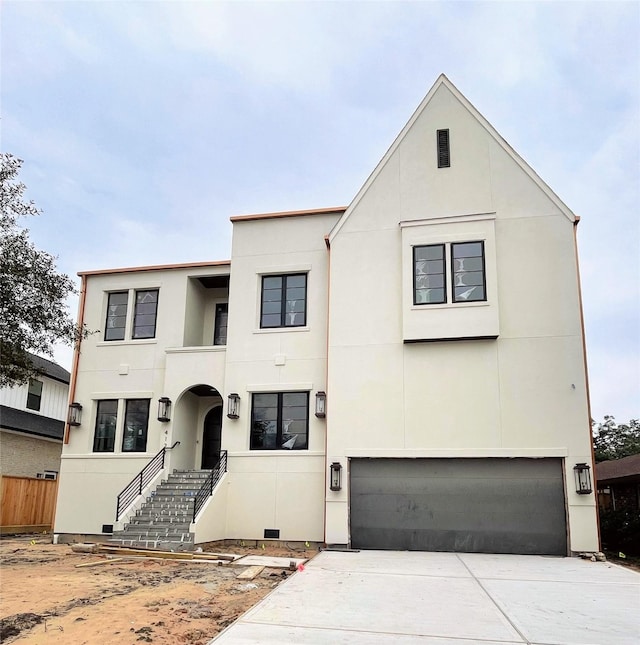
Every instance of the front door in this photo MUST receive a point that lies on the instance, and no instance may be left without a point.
(211, 438)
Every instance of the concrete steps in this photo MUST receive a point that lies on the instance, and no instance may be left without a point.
(164, 519)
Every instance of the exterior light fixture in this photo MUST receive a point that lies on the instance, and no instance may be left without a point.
(336, 476)
(233, 406)
(75, 414)
(583, 479)
(321, 405)
(164, 409)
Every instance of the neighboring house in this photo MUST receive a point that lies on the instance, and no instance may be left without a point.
(32, 420)
(440, 315)
(619, 483)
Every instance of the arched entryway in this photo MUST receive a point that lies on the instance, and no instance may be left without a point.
(211, 438)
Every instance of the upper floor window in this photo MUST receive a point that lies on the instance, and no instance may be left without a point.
(145, 311)
(144, 320)
(220, 333)
(429, 274)
(34, 395)
(116, 315)
(280, 421)
(284, 300)
(466, 260)
(467, 272)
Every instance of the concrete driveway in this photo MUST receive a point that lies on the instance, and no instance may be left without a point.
(446, 599)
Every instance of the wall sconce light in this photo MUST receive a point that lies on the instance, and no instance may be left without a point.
(321, 405)
(164, 409)
(233, 406)
(335, 482)
(75, 414)
(583, 479)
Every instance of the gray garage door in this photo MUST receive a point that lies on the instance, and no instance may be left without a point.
(466, 505)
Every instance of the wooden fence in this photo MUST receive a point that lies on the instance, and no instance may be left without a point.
(27, 504)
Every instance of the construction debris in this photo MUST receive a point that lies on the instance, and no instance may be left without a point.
(98, 563)
(268, 561)
(250, 573)
(141, 552)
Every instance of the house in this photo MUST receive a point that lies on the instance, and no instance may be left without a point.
(406, 372)
(619, 483)
(32, 418)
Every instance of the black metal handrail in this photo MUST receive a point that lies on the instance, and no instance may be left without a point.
(206, 490)
(135, 487)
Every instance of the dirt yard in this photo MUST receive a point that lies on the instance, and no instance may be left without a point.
(46, 600)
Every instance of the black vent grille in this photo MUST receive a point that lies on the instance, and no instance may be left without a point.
(444, 157)
(272, 533)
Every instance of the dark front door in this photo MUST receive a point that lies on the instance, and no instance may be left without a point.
(211, 438)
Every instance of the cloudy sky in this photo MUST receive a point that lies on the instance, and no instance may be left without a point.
(144, 126)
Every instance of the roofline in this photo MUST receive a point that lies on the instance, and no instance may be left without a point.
(157, 267)
(443, 80)
(314, 211)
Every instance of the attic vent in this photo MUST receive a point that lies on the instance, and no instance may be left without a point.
(444, 158)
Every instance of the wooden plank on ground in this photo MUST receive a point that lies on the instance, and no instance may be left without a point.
(98, 563)
(268, 561)
(250, 573)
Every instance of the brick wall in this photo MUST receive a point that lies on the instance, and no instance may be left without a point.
(25, 456)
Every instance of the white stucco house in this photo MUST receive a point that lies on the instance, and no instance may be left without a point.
(406, 372)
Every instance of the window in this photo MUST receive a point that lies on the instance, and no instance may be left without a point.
(444, 155)
(34, 395)
(116, 315)
(106, 419)
(428, 274)
(144, 315)
(280, 421)
(144, 320)
(136, 421)
(284, 300)
(467, 273)
(220, 333)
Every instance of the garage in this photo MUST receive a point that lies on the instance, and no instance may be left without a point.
(465, 505)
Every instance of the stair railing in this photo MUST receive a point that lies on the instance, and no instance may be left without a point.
(135, 487)
(207, 488)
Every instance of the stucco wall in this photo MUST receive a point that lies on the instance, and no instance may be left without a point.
(523, 394)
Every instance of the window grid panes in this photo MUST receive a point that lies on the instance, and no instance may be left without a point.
(429, 275)
(106, 420)
(146, 308)
(136, 422)
(116, 315)
(34, 395)
(284, 301)
(467, 272)
(280, 421)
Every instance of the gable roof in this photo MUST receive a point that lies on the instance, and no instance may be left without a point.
(50, 369)
(443, 80)
(29, 423)
(617, 468)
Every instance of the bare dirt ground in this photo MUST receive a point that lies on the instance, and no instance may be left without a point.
(46, 600)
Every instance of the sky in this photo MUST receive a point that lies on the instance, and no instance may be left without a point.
(144, 126)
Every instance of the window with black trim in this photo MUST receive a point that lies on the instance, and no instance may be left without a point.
(280, 421)
(429, 283)
(284, 300)
(220, 332)
(146, 309)
(106, 421)
(467, 271)
(116, 315)
(34, 395)
(136, 422)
